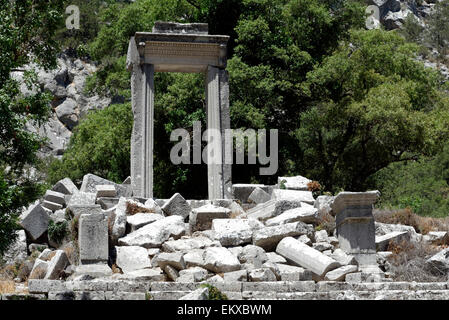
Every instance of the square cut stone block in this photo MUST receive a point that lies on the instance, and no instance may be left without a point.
(93, 238)
(106, 191)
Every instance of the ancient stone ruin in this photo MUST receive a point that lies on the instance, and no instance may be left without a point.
(109, 241)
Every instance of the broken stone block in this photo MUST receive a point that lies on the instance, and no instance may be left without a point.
(132, 258)
(91, 180)
(323, 205)
(177, 206)
(65, 186)
(382, 242)
(51, 205)
(140, 220)
(343, 258)
(194, 258)
(201, 218)
(77, 210)
(385, 228)
(293, 273)
(189, 244)
(306, 257)
(355, 224)
(35, 221)
(258, 196)
(174, 259)
(293, 195)
(275, 258)
(437, 238)
(39, 270)
(108, 203)
(55, 197)
(262, 211)
(219, 259)
(93, 239)
(94, 270)
(439, 262)
(306, 214)
(233, 232)
(153, 274)
(321, 236)
(261, 275)
(294, 183)
(215, 279)
(305, 239)
(253, 255)
(269, 237)
(156, 233)
(194, 274)
(239, 275)
(153, 206)
(339, 274)
(242, 191)
(171, 272)
(82, 199)
(322, 246)
(56, 265)
(105, 191)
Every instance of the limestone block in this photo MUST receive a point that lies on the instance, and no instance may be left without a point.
(82, 199)
(139, 220)
(305, 239)
(108, 203)
(219, 259)
(306, 257)
(132, 258)
(343, 258)
(323, 205)
(93, 238)
(193, 274)
(437, 237)
(90, 181)
(293, 195)
(77, 210)
(242, 191)
(293, 273)
(174, 259)
(39, 269)
(153, 206)
(198, 294)
(253, 255)
(233, 232)
(304, 214)
(65, 186)
(269, 237)
(322, 246)
(96, 270)
(106, 191)
(177, 205)
(321, 236)
(294, 183)
(261, 275)
(259, 196)
(440, 261)
(201, 218)
(385, 228)
(339, 274)
(56, 265)
(51, 205)
(194, 258)
(153, 274)
(188, 244)
(239, 275)
(35, 221)
(55, 197)
(156, 233)
(275, 258)
(382, 242)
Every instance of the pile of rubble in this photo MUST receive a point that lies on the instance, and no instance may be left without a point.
(268, 234)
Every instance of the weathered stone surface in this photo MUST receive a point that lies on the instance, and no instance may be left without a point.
(139, 220)
(106, 191)
(198, 294)
(153, 274)
(343, 258)
(156, 233)
(253, 255)
(120, 219)
(153, 206)
(177, 206)
(293, 273)
(201, 218)
(239, 275)
(219, 259)
(269, 237)
(82, 199)
(306, 257)
(339, 274)
(440, 261)
(94, 270)
(262, 211)
(293, 195)
(174, 259)
(233, 232)
(171, 272)
(39, 269)
(194, 274)
(323, 205)
(35, 221)
(382, 242)
(132, 258)
(305, 239)
(261, 274)
(437, 237)
(322, 246)
(56, 265)
(54, 196)
(194, 258)
(189, 244)
(77, 210)
(242, 191)
(258, 196)
(93, 238)
(294, 183)
(90, 181)
(65, 186)
(384, 228)
(321, 236)
(53, 206)
(306, 214)
(45, 286)
(275, 258)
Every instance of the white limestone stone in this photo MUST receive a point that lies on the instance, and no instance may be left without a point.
(269, 237)
(219, 259)
(132, 258)
(294, 183)
(306, 214)
(233, 232)
(139, 220)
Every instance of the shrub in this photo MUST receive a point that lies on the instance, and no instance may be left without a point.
(57, 230)
(214, 293)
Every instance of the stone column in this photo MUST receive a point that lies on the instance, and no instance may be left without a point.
(142, 96)
(355, 224)
(218, 117)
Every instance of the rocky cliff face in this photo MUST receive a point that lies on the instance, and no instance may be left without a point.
(70, 102)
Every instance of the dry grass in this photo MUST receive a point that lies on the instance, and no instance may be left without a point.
(38, 273)
(421, 224)
(7, 286)
(327, 222)
(132, 209)
(408, 262)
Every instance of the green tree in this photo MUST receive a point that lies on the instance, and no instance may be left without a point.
(27, 30)
(437, 31)
(374, 105)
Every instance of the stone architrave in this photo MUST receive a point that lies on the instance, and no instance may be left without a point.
(175, 47)
(93, 239)
(355, 224)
